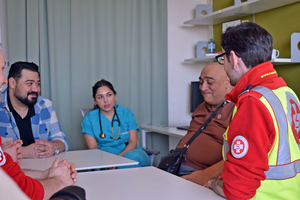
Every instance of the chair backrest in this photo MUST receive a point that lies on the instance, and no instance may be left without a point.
(85, 111)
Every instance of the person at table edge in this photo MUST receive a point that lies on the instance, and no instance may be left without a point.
(36, 185)
(261, 144)
(29, 117)
(112, 128)
(204, 155)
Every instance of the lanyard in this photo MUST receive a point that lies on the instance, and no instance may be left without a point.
(102, 135)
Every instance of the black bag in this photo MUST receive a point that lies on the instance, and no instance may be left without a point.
(171, 163)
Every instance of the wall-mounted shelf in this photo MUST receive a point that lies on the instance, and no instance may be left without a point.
(239, 10)
(283, 61)
(201, 59)
(207, 59)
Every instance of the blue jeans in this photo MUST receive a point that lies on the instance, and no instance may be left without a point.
(186, 170)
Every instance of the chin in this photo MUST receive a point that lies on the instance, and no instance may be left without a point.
(206, 99)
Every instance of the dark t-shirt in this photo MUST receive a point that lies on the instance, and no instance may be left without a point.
(24, 125)
(206, 149)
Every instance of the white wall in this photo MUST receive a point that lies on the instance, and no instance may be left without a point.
(4, 33)
(182, 40)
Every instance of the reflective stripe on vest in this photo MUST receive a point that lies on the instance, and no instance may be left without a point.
(285, 168)
(284, 155)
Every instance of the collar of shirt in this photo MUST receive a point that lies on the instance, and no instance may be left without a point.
(255, 76)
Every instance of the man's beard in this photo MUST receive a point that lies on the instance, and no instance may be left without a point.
(25, 100)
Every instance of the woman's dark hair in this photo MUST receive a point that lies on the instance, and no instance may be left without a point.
(99, 84)
(249, 41)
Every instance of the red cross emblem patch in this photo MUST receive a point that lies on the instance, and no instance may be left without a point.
(295, 114)
(2, 157)
(239, 146)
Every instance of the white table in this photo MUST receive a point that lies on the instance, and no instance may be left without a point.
(174, 134)
(145, 183)
(83, 160)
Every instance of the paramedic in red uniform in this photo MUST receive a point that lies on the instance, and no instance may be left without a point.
(261, 149)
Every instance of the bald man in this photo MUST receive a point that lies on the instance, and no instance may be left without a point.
(204, 156)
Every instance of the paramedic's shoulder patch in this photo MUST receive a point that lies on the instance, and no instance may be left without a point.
(239, 146)
(2, 157)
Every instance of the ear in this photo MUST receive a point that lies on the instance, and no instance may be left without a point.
(234, 59)
(228, 86)
(227, 81)
(12, 82)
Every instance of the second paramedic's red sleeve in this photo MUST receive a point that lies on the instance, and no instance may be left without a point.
(31, 187)
(242, 175)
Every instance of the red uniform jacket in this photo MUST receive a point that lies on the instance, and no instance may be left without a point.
(242, 176)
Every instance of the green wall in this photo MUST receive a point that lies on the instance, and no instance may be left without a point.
(280, 23)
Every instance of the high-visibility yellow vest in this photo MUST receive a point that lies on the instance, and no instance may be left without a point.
(283, 177)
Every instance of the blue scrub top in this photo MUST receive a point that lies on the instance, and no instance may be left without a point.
(90, 126)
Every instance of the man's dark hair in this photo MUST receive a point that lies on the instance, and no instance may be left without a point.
(249, 41)
(15, 70)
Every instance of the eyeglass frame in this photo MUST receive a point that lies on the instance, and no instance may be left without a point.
(220, 56)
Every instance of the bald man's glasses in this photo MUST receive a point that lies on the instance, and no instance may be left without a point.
(221, 58)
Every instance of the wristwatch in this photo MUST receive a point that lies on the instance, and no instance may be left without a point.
(56, 151)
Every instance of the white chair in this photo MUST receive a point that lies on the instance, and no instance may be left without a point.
(85, 111)
(151, 152)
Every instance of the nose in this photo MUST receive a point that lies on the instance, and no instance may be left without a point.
(203, 86)
(35, 88)
(4, 80)
(105, 99)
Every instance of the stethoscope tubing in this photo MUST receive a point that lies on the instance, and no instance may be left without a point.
(102, 135)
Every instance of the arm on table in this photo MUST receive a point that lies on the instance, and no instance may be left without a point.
(13, 149)
(42, 149)
(216, 184)
(60, 175)
(202, 176)
(47, 148)
(40, 175)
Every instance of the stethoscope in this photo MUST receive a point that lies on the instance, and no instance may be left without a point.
(102, 135)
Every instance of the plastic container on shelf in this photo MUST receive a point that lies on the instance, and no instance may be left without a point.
(211, 46)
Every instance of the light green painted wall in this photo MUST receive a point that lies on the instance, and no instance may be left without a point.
(280, 23)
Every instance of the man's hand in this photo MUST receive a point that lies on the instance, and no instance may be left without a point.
(44, 148)
(13, 149)
(73, 172)
(216, 184)
(199, 177)
(60, 175)
(62, 171)
(202, 176)
(29, 151)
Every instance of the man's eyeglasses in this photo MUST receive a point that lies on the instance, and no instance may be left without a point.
(220, 58)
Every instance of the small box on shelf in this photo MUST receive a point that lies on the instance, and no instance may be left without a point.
(201, 48)
(203, 9)
(295, 52)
